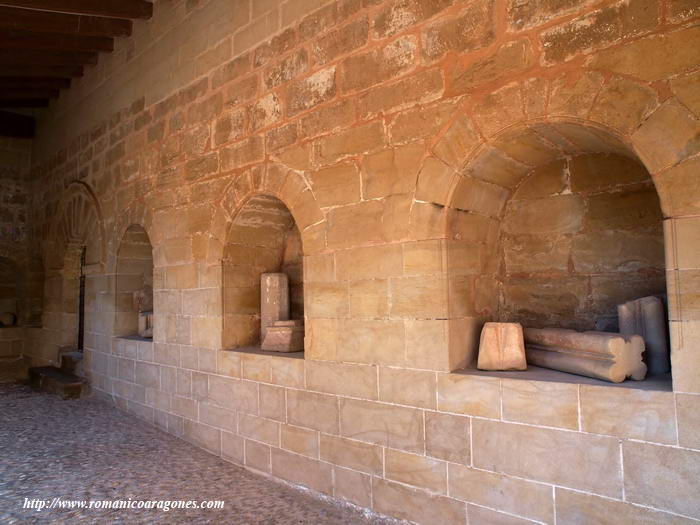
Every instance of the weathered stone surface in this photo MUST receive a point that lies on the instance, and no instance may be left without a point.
(473, 29)
(628, 413)
(365, 70)
(511, 57)
(570, 459)
(502, 347)
(674, 470)
(601, 355)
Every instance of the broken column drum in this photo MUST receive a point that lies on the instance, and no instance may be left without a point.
(645, 317)
(601, 355)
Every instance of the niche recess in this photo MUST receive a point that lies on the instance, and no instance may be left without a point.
(263, 238)
(553, 225)
(134, 282)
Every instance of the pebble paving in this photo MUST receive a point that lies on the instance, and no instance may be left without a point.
(86, 449)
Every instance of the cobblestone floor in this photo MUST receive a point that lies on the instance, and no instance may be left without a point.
(88, 450)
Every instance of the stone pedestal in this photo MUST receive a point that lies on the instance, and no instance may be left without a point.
(645, 317)
(284, 336)
(502, 347)
(146, 324)
(274, 300)
(602, 355)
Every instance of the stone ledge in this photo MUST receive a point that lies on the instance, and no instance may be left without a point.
(135, 338)
(661, 383)
(255, 350)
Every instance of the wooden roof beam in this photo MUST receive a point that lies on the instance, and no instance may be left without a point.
(18, 39)
(29, 70)
(44, 21)
(109, 8)
(16, 125)
(46, 57)
(34, 82)
(24, 103)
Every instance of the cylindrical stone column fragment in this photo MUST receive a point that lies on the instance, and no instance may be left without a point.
(645, 317)
(602, 355)
(274, 300)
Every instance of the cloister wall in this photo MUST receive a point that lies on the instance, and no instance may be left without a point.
(367, 119)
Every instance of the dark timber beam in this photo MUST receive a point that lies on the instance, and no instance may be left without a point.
(14, 125)
(34, 82)
(29, 70)
(24, 103)
(44, 21)
(110, 8)
(17, 39)
(46, 57)
(28, 92)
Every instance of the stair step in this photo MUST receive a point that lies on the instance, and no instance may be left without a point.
(72, 362)
(56, 381)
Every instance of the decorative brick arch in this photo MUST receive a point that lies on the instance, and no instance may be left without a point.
(79, 222)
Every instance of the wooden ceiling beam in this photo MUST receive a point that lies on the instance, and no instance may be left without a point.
(24, 103)
(44, 21)
(27, 92)
(16, 125)
(109, 8)
(34, 82)
(46, 57)
(29, 70)
(17, 39)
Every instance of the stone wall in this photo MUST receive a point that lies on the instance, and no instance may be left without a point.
(389, 129)
(579, 237)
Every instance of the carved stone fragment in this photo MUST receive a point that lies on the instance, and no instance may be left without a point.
(646, 317)
(602, 355)
(285, 336)
(274, 300)
(501, 347)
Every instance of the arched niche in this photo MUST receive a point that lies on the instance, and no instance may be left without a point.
(553, 224)
(263, 238)
(74, 249)
(134, 282)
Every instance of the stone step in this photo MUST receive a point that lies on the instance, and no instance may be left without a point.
(72, 363)
(53, 380)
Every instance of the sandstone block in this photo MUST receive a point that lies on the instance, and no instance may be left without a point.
(674, 472)
(570, 459)
(447, 437)
(516, 496)
(502, 347)
(352, 454)
(416, 505)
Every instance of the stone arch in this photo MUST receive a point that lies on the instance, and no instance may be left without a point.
(79, 222)
(267, 221)
(133, 282)
(78, 226)
(603, 113)
(290, 186)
